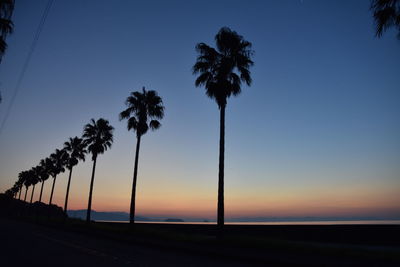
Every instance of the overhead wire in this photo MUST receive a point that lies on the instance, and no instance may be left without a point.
(27, 61)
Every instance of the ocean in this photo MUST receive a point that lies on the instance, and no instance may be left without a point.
(354, 222)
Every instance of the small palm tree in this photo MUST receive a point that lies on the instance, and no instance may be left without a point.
(14, 190)
(144, 110)
(27, 181)
(98, 137)
(58, 159)
(34, 178)
(20, 183)
(386, 15)
(10, 192)
(75, 150)
(221, 71)
(45, 167)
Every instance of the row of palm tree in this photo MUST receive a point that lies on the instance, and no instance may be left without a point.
(97, 138)
(144, 109)
(220, 70)
(50, 166)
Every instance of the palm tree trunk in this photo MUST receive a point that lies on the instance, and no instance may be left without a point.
(66, 196)
(133, 196)
(26, 192)
(33, 190)
(20, 191)
(89, 209)
(220, 211)
(41, 192)
(52, 189)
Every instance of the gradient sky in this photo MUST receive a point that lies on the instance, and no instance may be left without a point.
(317, 134)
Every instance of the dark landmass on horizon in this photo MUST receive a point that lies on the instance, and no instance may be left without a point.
(124, 216)
(117, 216)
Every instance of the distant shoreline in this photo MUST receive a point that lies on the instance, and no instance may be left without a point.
(338, 222)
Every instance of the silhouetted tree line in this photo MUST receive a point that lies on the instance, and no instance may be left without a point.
(97, 138)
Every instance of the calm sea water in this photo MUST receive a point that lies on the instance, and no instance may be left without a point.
(363, 222)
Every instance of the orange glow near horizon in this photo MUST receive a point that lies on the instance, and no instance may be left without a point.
(197, 198)
(302, 202)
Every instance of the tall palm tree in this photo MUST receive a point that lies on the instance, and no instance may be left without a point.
(386, 15)
(6, 25)
(98, 137)
(34, 178)
(45, 167)
(58, 159)
(221, 71)
(75, 149)
(144, 108)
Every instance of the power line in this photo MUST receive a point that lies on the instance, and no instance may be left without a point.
(26, 63)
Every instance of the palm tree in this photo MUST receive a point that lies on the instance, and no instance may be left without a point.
(27, 181)
(10, 192)
(58, 158)
(20, 183)
(221, 71)
(142, 113)
(34, 178)
(386, 15)
(98, 137)
(6, 25)
(45, 167)
(14, 190)
(75, 149)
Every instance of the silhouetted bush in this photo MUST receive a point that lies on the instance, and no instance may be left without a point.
(10, 207)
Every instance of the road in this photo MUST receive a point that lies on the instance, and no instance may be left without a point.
(26, 244)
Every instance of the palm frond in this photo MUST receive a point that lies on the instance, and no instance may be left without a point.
(221, 71)
(154, 124)
(98, 136)
(141, 107)
(386, 15)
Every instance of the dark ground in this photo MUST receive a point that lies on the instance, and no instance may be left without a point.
(36, 235)
(27, 244)
(35, 243)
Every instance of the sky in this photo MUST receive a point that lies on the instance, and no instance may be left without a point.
(316, 134)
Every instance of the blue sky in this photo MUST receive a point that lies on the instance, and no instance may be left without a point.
(318, 130)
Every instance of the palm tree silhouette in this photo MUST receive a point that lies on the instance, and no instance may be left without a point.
(14, 190)
(34, 178)
(27, 181)
(20, 183)
(6, 25)
(144, 108)
(75, 150)
(98, 137)
(221, 72)
(58, 158)
(386, 15)
(45, 167)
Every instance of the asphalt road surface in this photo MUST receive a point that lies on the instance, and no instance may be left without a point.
(26, 244)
